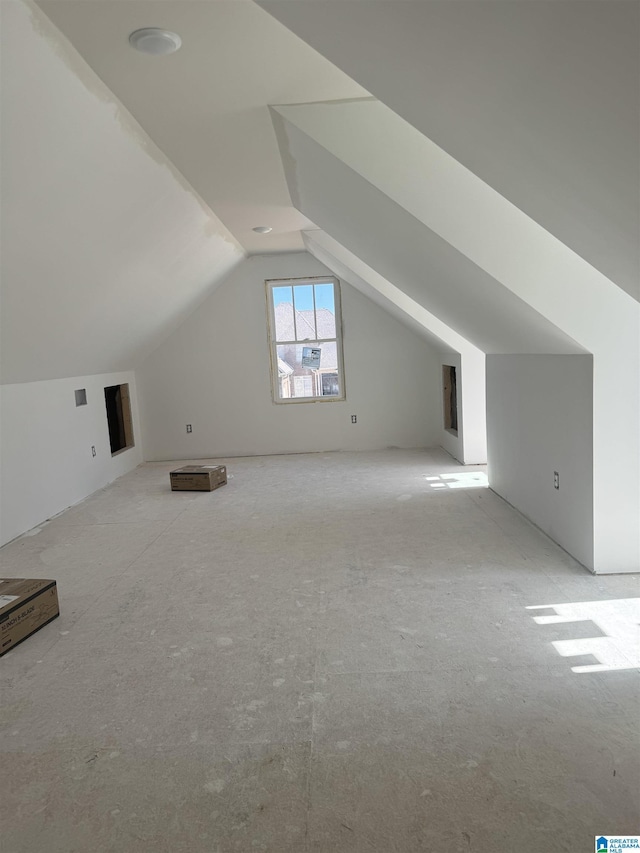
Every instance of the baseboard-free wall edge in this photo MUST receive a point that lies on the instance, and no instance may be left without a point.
(251, 455)
(546, 535)
(33, 531)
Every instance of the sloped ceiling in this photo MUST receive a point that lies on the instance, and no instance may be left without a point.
(414, 258)
(105, 247)
(206, 105)
(541, 100)
(469, 216)
(353, 270)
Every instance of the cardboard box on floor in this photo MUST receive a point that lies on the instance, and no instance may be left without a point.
(26, 605)
(198, 478)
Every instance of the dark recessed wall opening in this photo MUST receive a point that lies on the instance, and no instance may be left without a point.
(119, 417)
(450, 398)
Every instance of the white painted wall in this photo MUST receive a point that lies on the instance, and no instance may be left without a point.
(105, 247)
(539, 420)
(213, 372)
(504, 282)
(45, 448)
(470, 445)
(474, 409)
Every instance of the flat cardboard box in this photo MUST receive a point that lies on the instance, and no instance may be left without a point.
(26, 605)
(198, 478)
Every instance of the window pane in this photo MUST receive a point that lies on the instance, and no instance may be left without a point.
(325, 311)
(296, 381)
(329, 356)
(283, 313)
(330, 385)
(305, 319)
(303, 386)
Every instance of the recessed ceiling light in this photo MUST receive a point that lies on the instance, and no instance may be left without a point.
(263, 229)
(155, 41)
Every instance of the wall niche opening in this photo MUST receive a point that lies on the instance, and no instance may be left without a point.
(450, 398)
(119, 418)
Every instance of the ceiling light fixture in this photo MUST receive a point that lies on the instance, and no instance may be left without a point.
(262, 229)
(156, 41)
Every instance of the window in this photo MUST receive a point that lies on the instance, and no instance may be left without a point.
(116, 398)
(305, 340)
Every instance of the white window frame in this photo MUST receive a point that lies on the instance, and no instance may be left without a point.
(273, 343)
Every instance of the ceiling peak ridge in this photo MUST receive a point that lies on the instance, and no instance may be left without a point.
(327, 102)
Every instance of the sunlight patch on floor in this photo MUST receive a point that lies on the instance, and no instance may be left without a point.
(460, 480)
(618, 620)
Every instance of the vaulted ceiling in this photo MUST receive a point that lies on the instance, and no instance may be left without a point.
(206, 106)
(132, 183)
(541, 100)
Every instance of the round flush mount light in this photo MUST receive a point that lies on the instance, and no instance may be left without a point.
(262, 229)
(155, 41)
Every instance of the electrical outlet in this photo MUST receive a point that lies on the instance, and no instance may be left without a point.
(556, 480)
(189, 428)
(354, 419)
(93, 450)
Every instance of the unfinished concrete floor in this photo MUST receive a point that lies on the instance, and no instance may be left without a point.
(332, 654)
